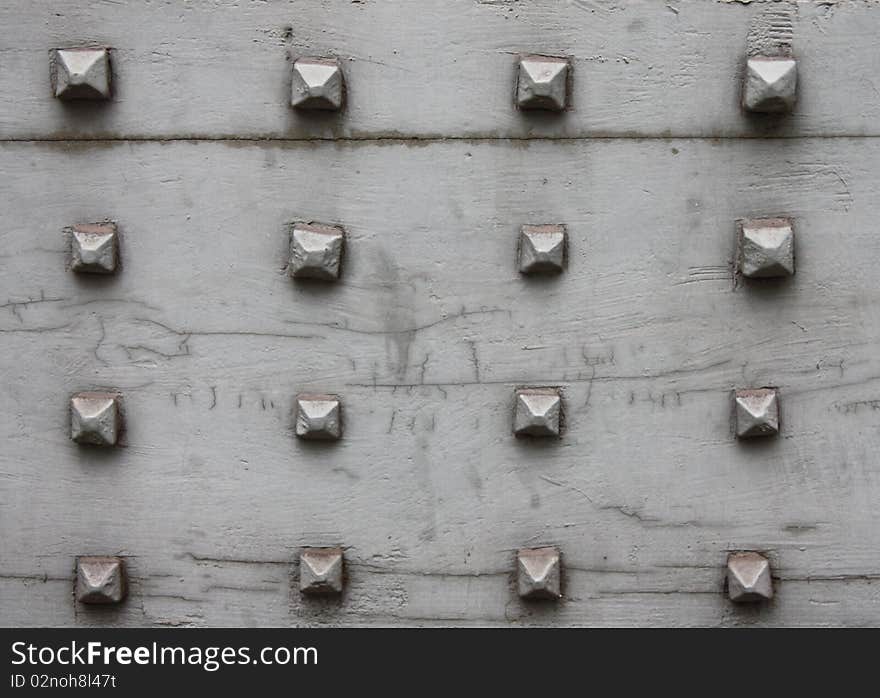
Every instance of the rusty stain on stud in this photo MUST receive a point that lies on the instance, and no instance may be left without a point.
(320, 571)
(770, 84)
(80, 73)
(318, 417)
(101, 580)
(748, 578)
(765, 247)
(95, 418)
(538, 412)
(757, 412)
(316, 251)
(542, 83)
(538, 573)
(94, 247)
(542, 249)
(317, 83)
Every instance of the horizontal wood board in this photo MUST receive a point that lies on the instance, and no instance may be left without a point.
(440, 69)
(425, 338)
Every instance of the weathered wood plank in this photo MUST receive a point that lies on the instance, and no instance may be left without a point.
(425, 338)
(439, 68)
(241, 594)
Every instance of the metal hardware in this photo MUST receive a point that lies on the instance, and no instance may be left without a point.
(80, 73)
(766, 247)
(757, 412)
(316, 251)
(320, 571)
(94, 248)
(542, 249)
(318, 417)
(538, 573)
(317, 83)
(538, 412)
(542, 83)
(95, 418)
(101, 580)
(748, 578)
(770, 84)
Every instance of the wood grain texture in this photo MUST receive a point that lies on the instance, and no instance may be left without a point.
(425, 339)
(439, 68)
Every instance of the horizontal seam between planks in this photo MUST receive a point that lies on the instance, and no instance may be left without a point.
(428, 139)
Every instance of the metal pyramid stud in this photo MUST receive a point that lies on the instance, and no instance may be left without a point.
(766, 247)
(315, 251)
(542, 249)
(95, 418)
(757, 412)
(538, 573)
(748, 578)
(320, 571)
(770, 84)
(100, 580)
(538, 412)
(317, 83)
(318, 417)
(81, 73)
(542, 83)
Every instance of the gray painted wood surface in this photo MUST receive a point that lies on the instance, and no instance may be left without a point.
(431, 327)
(439, 68)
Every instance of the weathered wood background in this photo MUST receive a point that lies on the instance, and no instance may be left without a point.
(432, 171)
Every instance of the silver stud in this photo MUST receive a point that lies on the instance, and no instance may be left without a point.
(318, 417)
(542, 83)
(542, 249)
(538, 573)
(538, 412)
(757, 412)
(94, 248)
(770, 84)
(80, 73)
(101, 580)
(766, 247)
(316, 251)
(320, 571)
(95, 418)
(317, 83)
(748, 578)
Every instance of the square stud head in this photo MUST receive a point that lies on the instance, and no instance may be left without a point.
(94, 248)
(770, 84)
(316, 251)
(538, 412)
(100, 580)
(538, 573)
(317, 83)
(766, 247)
(95, 418)
(80, 73)
(542, 83)
(757, 412)
(542, 249)
(318, 417)
(748, 578)
(320, 571)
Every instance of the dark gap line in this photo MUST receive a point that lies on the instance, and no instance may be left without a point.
(428, 139)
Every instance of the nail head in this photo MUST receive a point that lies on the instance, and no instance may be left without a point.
(317, 83)
(320, 571)
(542, 83)
(101, 580)
(81, 73)
(95, 418)
(538, 573)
